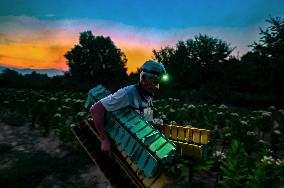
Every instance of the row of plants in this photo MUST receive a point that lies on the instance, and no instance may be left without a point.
(254, 127)
(48, 111)
(246, 145)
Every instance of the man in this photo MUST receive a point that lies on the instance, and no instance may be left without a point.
(137, 97)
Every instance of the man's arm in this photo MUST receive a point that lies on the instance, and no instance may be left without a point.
(98, 113)
(110, 103)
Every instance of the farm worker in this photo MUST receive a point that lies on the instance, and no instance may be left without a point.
(137, 97)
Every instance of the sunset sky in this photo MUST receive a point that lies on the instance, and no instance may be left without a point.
(36, 34)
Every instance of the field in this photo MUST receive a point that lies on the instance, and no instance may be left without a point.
(245, 150)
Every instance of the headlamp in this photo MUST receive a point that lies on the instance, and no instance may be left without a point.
(156, 78)
(165, 77)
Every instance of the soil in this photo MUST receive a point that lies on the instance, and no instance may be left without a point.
(28, 159)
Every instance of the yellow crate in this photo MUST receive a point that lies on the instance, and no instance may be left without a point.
(188, 150)
(195, 135)
(178, 147)
(184, 148)
(189, 140)
(188, 134)
(181, 133)
(174, 132)
(205, 136)
(167, 129)
(197, 150)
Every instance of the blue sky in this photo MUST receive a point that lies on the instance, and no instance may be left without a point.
(135, 26)
(161, 14)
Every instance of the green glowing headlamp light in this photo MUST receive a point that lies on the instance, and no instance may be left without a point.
(165, 77)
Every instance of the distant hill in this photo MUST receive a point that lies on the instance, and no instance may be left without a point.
(49, 72)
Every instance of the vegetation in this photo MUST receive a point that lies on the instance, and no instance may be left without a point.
(246, 146)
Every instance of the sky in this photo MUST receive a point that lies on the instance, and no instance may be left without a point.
(36, 33)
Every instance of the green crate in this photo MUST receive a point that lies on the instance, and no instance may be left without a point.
(141, 142)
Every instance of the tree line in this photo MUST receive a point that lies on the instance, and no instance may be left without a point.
(201, 69)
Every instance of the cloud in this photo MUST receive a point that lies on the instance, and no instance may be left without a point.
(44, 42)
(50, 15)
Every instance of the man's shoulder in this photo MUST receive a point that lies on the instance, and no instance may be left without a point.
(128, 89)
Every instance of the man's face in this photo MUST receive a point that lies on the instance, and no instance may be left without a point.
(149, 85)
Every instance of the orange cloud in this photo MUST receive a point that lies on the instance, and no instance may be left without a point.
(28, 55)
(136, 57)
(43, 55)
(27, 42)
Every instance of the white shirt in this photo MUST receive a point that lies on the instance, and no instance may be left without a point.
(129, 96)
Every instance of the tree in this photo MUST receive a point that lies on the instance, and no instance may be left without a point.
(10, 78)
(96, 60)
(194, 62)
(271, 43)
(267, 57)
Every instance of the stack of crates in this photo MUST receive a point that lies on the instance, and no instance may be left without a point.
(190, 141)
(150, 150)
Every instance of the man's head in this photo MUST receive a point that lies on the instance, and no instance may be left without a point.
(151, 75)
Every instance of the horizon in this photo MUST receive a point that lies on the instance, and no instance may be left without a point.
(47, 31)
